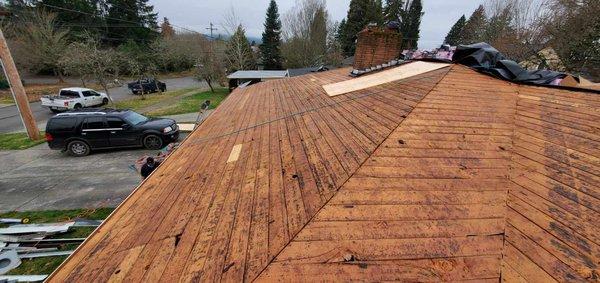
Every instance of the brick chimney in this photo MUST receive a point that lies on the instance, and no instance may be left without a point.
(376, 46)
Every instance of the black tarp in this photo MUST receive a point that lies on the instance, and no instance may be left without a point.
(485, 58)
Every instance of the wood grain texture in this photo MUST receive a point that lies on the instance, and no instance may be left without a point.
(378, 78)
(449, 175)
(416, 201)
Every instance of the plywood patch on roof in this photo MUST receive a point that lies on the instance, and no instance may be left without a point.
(235, 153)
(395, 74)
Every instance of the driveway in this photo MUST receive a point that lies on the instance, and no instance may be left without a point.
(11, 122)
(42, 179)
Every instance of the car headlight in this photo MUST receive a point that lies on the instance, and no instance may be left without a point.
(167, 129)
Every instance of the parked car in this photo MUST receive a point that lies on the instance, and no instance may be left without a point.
(80, 131)
(147, 86)
(74, 98)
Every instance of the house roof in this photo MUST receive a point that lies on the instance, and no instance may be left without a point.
(258, 74)
(446, 175)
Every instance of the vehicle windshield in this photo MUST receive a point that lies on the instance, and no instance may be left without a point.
(135, 118)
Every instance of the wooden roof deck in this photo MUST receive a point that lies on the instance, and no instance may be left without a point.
(448, 175)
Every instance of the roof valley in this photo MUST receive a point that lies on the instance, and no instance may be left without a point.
(351, 175)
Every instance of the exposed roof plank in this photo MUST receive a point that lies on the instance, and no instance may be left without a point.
(446, 175)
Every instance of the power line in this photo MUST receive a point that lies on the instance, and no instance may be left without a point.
(92, 14)
(173, 25)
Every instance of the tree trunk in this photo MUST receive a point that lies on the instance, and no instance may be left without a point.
(156, 86)
(210, 85)
(60, 76)
(142, 88)
(83, 81)
(105, 87)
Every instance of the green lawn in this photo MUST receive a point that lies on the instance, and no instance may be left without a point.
(18, 141)
(45, 265)
(137, 103)
(191, 104)
(6, 100)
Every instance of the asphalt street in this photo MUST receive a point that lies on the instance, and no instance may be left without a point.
(42, 179)
(10, 121)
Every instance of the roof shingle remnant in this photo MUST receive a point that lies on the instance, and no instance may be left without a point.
(447, 175)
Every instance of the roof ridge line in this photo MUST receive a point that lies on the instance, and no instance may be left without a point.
(351, 175)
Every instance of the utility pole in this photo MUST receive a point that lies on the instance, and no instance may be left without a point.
(211, 28)
(17, 89)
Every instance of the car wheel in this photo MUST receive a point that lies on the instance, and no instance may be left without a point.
(78, 148)
(77, 106)
(153, 142)
(163, 89)
(105, 101)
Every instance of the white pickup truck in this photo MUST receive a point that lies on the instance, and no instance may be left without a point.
(74, 98)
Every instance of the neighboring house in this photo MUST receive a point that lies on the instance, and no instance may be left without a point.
(303, 71)
(248, 77)
(547, 58)
(421, 172)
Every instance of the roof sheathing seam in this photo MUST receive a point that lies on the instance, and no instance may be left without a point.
(351, 175)
(306, 111)
(510, 171)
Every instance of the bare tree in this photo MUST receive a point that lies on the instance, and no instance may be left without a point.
(239, 55)
(39, 43)
(209, 66)
(305, 33)
(231, 21)
(573, 27)
(178, 52)
(99, 64)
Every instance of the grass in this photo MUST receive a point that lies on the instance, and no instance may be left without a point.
(18, 141)
(46, 265)
(6, 99)
(138, 103)
(191, 104)
(35, 91)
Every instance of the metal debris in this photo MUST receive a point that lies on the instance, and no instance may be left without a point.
(14, 220)
(9, 260)
(87, 223)
(45, 254)
(22, 278)
(37, 228)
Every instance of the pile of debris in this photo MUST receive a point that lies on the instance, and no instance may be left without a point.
(20, 240)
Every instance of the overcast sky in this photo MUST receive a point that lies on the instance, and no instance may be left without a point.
(439, 16)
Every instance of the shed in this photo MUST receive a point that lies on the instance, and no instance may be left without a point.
(254, 76)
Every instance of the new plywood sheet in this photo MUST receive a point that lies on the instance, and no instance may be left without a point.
(395, 74)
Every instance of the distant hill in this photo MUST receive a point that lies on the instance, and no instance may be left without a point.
(256, 39)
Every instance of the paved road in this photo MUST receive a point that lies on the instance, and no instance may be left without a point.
(11, 122)
(42, 179)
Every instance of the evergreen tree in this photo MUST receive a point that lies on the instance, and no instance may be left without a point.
(359, 16)
(393, 10)
(166, 30)
(318, 34)
(238, 53)
(475, 27)
(498, 26)
(375, 12)
(453, 37)
(271, 39)
(134, 13)
(411, 25)
(85, 17)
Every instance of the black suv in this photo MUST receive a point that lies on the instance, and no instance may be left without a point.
(147, 85)
(81, 131)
